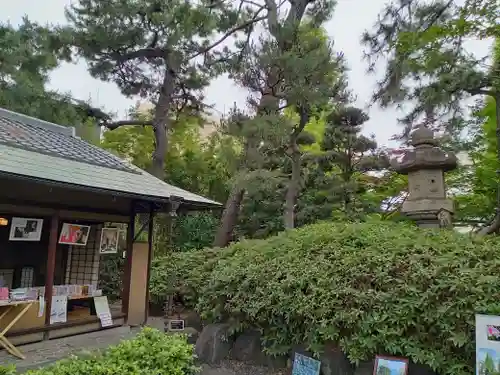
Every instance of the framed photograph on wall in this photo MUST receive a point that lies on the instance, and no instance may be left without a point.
(386, 365)
(25, 229)
(74, 234)
(109, 241)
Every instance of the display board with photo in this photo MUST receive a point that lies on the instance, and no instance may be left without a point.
(25, 229)
(385, 365)
(74, 234)
(487, 344)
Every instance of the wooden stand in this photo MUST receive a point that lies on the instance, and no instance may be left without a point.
(20, 308)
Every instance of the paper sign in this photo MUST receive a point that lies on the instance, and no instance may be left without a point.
(487, 344)
(41, 306)
(59, 309)
(176, 325)
(102, 310)
(303, 365)
(106, 319)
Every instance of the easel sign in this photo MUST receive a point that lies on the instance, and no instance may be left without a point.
(303, 365)
(102, 310)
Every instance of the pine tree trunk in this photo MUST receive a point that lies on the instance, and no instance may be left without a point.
(292, 190)
(229, 217)
(161, 125)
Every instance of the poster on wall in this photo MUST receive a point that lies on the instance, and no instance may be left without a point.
(487, 344)
(385, 365)
(25, 229)
(109, 241)
(303, 365)
(74, 234)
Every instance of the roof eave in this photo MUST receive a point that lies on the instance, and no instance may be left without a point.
(140, 197)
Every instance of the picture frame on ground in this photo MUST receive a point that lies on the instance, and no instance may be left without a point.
(487, 344)
(109, 241)
(388, 365)
(25, 229)
(74, 234)
(304, 365)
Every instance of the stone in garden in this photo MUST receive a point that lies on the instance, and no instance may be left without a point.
(335, 362)
(247, 348)
(214, 343)
(193, 319)
(364, 368)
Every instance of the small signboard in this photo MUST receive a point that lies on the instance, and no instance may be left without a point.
(303, 365)
(176, 325)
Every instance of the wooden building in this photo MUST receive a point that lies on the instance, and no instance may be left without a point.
(64, 205)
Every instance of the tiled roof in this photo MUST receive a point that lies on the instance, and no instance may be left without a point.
(32, 137)
(33, 148)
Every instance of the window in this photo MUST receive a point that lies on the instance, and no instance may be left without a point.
(27, 277)
(6, 277)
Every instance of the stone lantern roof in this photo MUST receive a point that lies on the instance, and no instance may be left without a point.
(425, 154)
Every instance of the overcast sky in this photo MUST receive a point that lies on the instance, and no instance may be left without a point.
(351, 18)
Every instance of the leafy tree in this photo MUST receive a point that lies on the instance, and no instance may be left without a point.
(350, 154)
(316, 78)
(267, 82)
(28, 54)
(429, 66)
(477, 184)
(162, 52)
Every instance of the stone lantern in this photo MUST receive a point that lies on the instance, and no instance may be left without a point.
(425, 165)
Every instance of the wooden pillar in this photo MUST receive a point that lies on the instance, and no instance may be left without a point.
(150, 257)
(51, 264)
(128, 262)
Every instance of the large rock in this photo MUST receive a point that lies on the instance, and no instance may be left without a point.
(335, 362)
(193, 319)
(248, 348)
(214, 343)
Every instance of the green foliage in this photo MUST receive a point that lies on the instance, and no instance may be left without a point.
(144, 46)
(28, 54)
(194, 231)
(478, 183)
(8, 370)
(151, 352)
(428, 66)
(373, 287)
(110, 275)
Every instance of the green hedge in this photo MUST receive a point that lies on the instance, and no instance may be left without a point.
(371, 287)
(151, 352)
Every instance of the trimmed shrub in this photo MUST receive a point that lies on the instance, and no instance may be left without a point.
(373, 288)
(151, 352)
